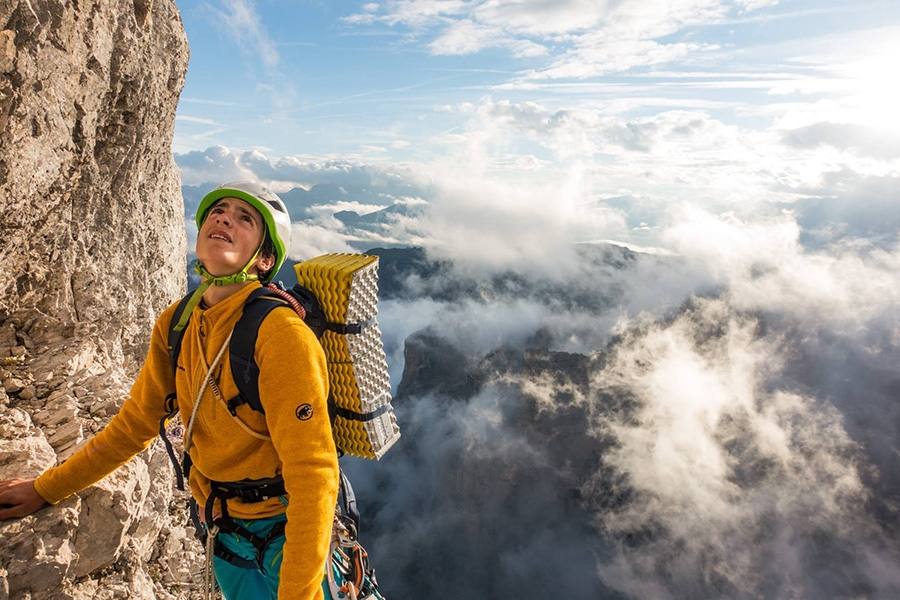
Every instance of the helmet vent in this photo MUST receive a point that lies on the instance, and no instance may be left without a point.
(276, 205)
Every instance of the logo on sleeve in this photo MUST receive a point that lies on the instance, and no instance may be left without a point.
(304, 412)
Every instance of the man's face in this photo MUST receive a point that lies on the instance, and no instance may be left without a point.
(229, 236)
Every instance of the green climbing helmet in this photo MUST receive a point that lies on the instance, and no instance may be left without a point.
(269, 205)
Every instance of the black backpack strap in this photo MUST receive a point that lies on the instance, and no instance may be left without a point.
(337, 411)
(175, 337)
(171, 411)
(244, 369)
(173, 347)
(315, 317)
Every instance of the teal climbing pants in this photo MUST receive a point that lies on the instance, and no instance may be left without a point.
(243, 583)
(252, 583)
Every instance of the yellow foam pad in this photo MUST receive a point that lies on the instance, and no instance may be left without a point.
(346, 286)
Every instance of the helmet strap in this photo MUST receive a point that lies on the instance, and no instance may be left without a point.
(209, 279)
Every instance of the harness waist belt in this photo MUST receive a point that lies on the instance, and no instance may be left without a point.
(250, 492)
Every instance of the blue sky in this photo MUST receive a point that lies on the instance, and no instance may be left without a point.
(619, 117)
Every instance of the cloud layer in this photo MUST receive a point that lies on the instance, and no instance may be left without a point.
(738, 439)
(716, 420)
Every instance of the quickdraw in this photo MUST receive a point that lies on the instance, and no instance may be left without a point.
(349, 574)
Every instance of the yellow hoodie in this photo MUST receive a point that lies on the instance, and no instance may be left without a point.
(293, 386)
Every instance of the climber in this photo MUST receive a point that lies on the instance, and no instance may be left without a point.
(244, 235)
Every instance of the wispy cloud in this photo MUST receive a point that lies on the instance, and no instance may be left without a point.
(195, 120)
(207, 101)
(242, 24)
(581, 38)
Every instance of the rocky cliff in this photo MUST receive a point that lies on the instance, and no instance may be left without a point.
(91, 249)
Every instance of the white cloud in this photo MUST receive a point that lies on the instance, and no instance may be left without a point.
(422, 13)
(469, 37)
(464, 37)
(197, 120)
(215, 165)
(311, 240)
(714, 450)
(482, 220)
(357, 207)
(765, 267)
(542, 18)
(592, 60)
(681, 155)
(757, 4)
(242, 25)
(587, 37)
(280, 173)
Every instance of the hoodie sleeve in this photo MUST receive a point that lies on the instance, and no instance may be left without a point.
(127, 434)
(293, 388)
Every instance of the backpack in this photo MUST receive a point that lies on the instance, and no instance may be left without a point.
(359, 402)
(258, 305)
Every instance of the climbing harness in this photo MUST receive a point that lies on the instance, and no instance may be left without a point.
(348, 573)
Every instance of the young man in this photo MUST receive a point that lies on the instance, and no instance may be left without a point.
(244, 235)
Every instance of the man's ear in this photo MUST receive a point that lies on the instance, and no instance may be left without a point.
(265, 263)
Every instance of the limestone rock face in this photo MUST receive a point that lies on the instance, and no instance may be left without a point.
(88, 186)
(92, 249)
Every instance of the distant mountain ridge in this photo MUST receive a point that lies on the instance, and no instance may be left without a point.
(409, 273)
(360, 229)
(299, 200)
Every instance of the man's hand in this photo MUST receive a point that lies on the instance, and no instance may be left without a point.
(18, 498)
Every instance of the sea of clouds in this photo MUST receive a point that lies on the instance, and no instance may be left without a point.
(722, 419)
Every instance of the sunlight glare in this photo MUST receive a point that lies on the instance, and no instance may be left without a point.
(873, 94)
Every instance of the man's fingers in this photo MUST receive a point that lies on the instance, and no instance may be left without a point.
(8, 511)
(18, 498)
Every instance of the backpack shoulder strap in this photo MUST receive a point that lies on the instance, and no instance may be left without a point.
(244, 369)
(173, 346)
(174, 342)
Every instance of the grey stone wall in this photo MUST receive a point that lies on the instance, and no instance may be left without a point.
(90, 207)
(92, 248)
